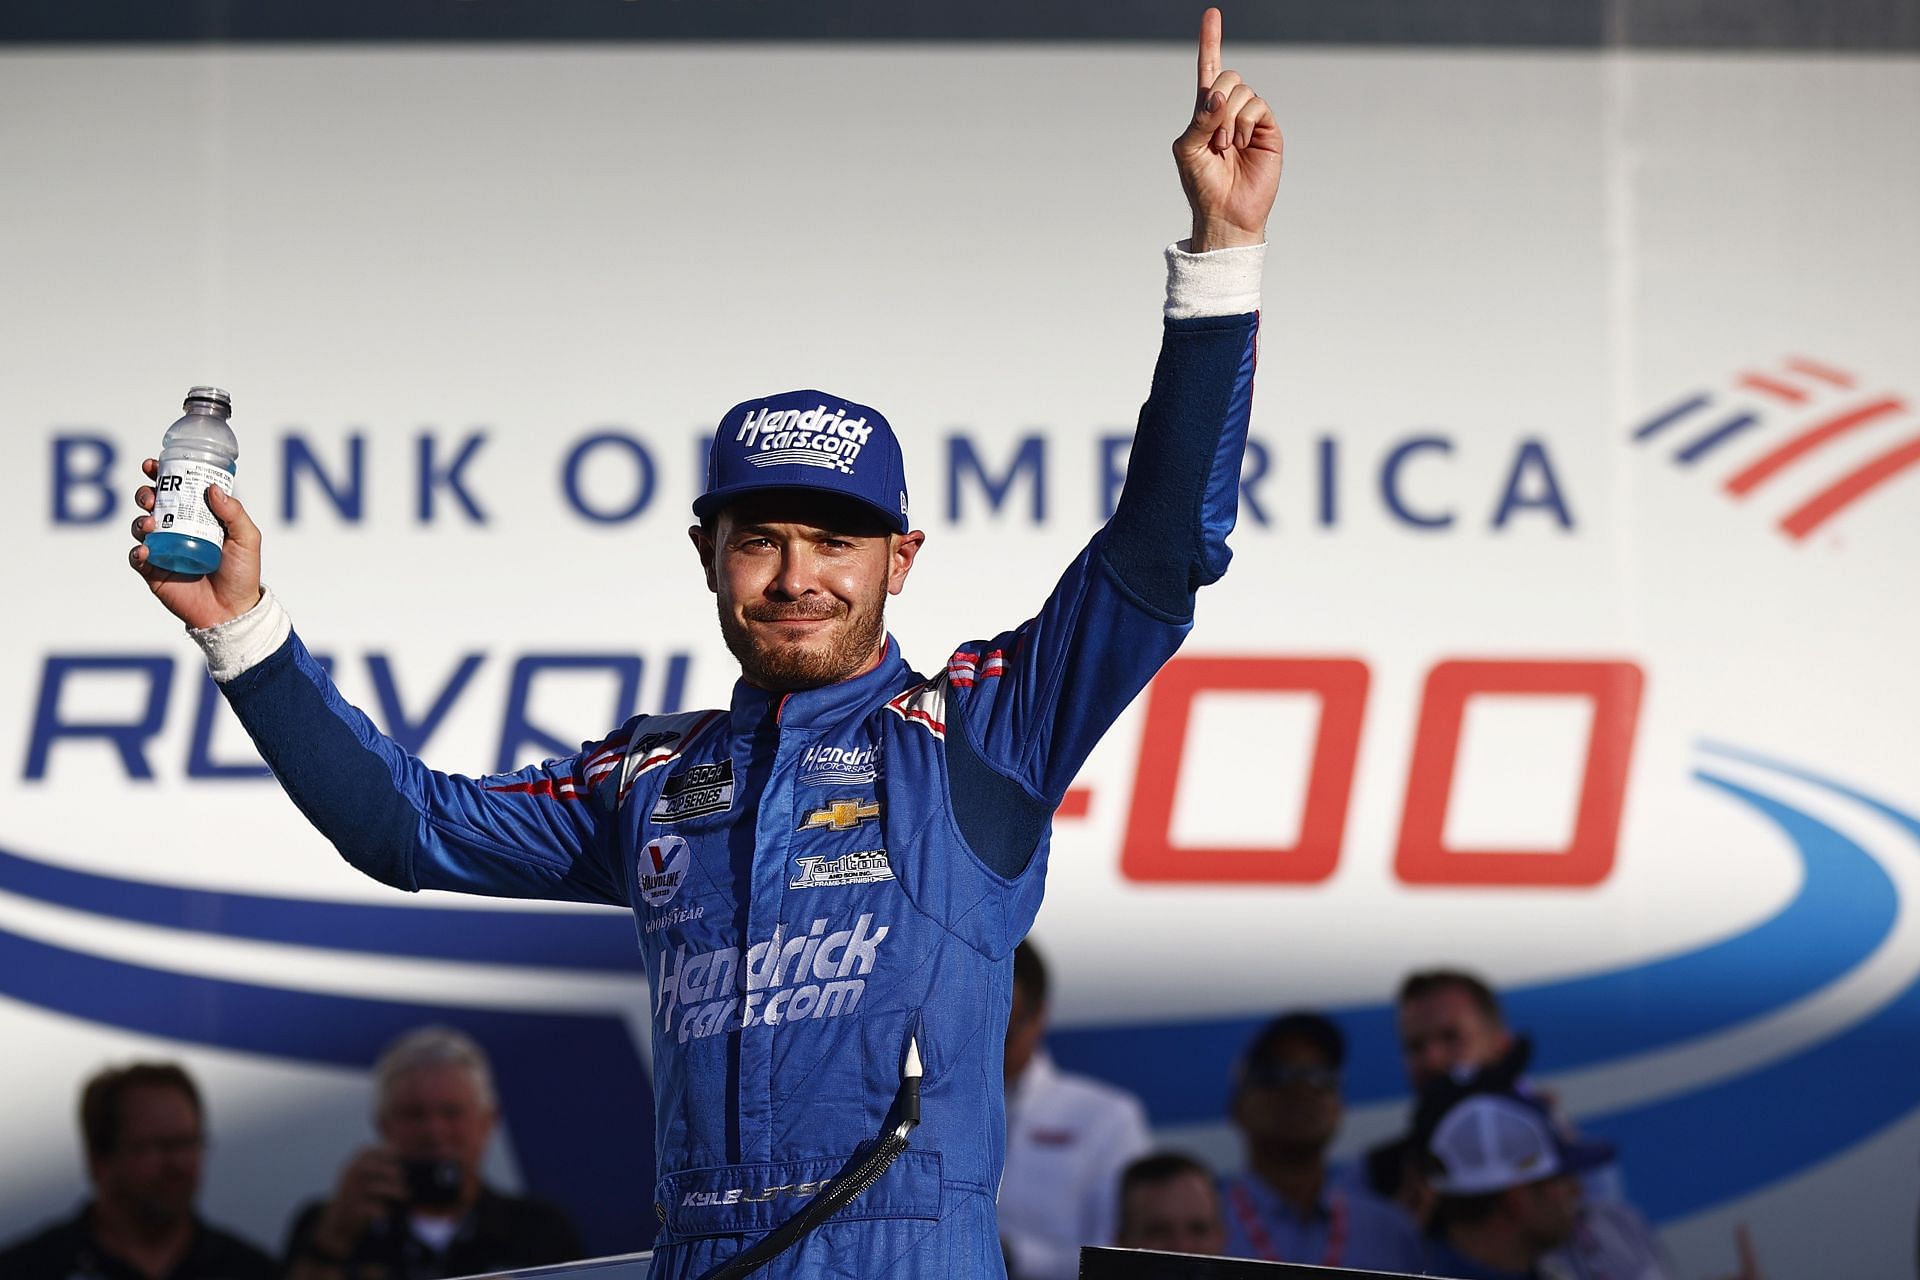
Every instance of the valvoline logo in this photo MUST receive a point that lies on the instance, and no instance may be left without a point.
(663, 866)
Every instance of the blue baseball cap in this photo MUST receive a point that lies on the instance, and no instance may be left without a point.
(807, 440)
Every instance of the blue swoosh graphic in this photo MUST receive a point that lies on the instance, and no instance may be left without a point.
(1881, 807)
(1844, 909)
(1694, 1151)
(597, 940)
(1690, 1152)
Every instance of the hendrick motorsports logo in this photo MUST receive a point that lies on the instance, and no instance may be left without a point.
(840, 766)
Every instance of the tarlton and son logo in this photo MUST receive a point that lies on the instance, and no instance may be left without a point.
(868, 866)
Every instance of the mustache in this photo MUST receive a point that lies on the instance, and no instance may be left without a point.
(791, 613)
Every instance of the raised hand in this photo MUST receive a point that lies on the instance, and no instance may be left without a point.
(1229, 156)
(228, 591)
(1749, 1260)
(369, 1188)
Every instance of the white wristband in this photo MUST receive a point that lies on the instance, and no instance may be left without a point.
(242, 643)
(1220, 282)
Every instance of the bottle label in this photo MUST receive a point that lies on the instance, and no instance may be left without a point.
(180, 499)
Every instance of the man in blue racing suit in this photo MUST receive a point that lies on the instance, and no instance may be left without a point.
(829, 875)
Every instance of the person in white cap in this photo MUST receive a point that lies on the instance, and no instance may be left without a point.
(1513, 1197)
(1509, 1205)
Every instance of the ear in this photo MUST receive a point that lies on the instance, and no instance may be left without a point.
(705, 546)
(901, 549)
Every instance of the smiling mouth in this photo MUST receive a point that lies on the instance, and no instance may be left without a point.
(795, 620)
(793, 631)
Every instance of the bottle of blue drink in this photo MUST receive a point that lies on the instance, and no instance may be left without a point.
(197, 451)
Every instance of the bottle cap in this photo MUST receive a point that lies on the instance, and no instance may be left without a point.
(219, 399)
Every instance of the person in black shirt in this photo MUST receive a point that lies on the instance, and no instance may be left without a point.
(1449, 1021)
(145, 1135)
(414, 1207)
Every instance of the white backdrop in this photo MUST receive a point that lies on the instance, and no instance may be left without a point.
(1488, 274)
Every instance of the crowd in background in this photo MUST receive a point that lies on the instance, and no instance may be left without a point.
(409, 1206)
(1487, 1182)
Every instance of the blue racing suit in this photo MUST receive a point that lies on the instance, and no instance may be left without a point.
(817, 876)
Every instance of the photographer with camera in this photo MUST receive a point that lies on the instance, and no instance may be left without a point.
(414, 1207)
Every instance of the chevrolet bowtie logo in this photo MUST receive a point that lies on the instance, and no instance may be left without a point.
(842, 815)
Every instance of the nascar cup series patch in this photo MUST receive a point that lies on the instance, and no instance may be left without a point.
(701, 789)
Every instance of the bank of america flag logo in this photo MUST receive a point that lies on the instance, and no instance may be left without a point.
(1808, 434)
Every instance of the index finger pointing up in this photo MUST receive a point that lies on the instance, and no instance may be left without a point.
(1209, 48)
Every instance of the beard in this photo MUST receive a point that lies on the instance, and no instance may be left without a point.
(165, 1204)
(845, 651)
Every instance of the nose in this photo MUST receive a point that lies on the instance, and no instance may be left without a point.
(797, 576)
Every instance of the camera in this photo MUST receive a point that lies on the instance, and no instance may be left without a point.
(432, 1183)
